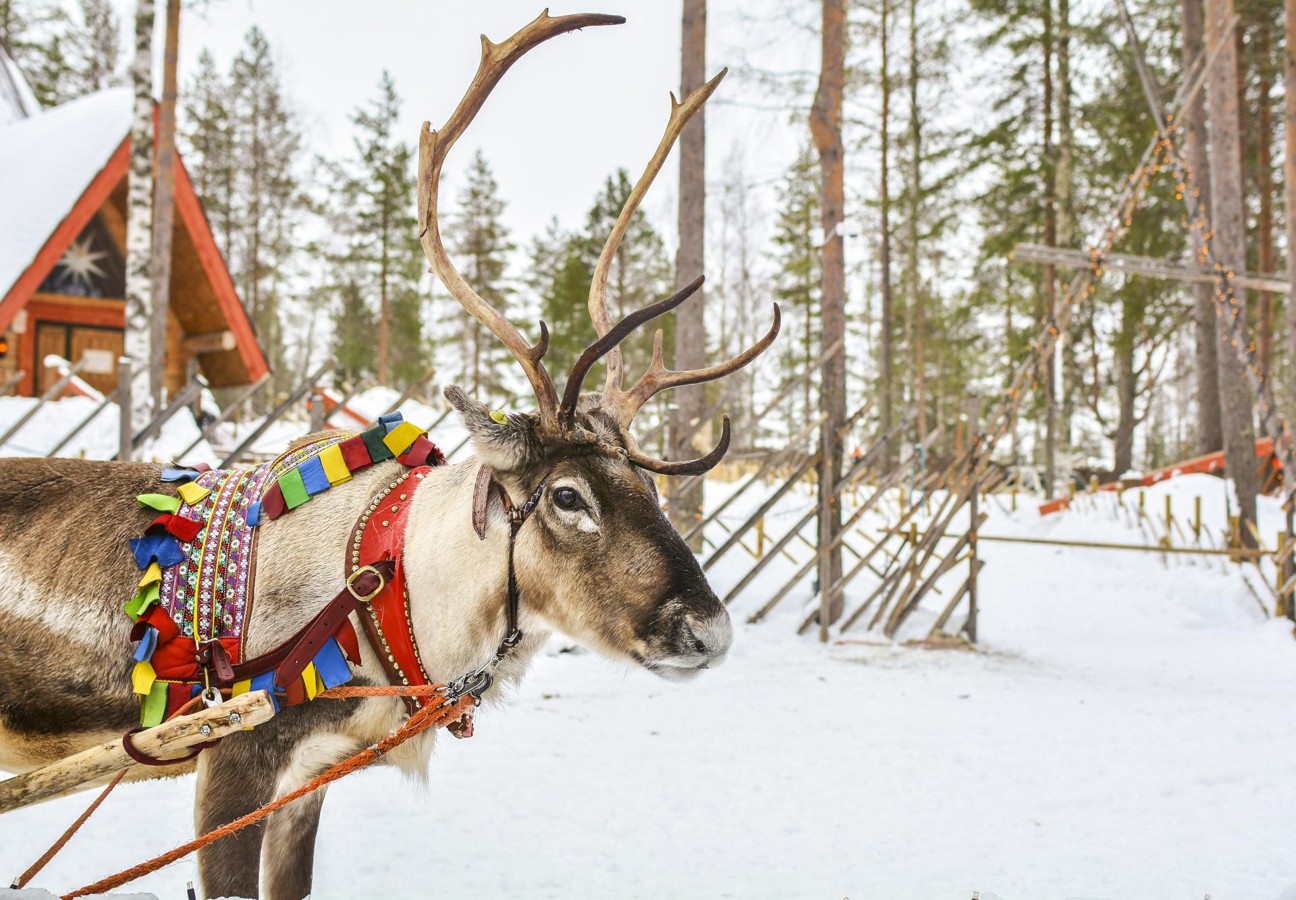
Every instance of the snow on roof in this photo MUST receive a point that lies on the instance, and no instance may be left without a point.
(46, 163)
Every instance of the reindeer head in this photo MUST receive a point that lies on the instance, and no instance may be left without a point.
(601, 562)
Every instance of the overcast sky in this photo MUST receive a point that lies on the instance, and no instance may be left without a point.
(564, 118)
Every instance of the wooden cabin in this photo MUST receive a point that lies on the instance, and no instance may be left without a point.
(63, 174)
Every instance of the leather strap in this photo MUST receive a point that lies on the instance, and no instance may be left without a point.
(361, 589)
(379, 533)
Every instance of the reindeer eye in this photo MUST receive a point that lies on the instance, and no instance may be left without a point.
(568, 499)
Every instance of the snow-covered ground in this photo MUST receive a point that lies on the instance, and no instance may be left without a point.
(1125, 730)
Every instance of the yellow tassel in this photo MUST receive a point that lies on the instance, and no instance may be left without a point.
(402, 437)
(241, 687)
(334, 465)
(152, 574)
(310, 679)
(142, 677)
(192, 493)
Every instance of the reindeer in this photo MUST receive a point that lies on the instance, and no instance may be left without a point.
(597, 560)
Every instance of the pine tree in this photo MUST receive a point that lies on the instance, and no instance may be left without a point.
(382, 258)
(481, 246)
(63, 55)
(207, 142)
(265, 199)
(797, 281)
(559, 275)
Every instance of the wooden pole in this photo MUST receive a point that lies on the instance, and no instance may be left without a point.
(125, 448)
(163, 212)
(974, 521)
(164, 741)
(1147, 266)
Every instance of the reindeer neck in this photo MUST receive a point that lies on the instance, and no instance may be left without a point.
(457, 581)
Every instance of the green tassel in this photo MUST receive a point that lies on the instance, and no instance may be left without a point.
(161, 502)
(147, 596)
(153, 707)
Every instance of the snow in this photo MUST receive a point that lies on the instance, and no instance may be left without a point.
(98, 439)
(1123, 731)
(46, 163)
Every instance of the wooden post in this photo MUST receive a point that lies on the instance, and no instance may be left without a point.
(165, 740)
(760, 536)
(315, 406)
(125, 446)
(974, 564)
(1169, 520)
(1289, 565)
(163, 211)
(1197, 519)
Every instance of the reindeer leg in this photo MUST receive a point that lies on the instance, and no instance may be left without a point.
(233, 780)
(289, 848)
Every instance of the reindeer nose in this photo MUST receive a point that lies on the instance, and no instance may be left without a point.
(708, 636)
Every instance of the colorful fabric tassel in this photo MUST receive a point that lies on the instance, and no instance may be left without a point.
(142, 677)
(154, 707)
(171, 475)
(254, 513)
(293, 488)
(147, 644)
(193, 493)
(402, 437)
(162, 548)
(152, 575)
(355, 452)
(313, 477)
(335, 468)
(330, 665)
(143, 599)
(161, 502)
(373, 440)
(310, 681)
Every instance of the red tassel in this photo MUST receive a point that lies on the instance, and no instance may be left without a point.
(346, 638)
(354, 453)
(272, 503)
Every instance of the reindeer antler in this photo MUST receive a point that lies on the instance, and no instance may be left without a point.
(433, 147)
(623, 405)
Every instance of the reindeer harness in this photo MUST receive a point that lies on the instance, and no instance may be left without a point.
(199, 563)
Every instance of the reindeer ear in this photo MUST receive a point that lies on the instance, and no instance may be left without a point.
(507, 446)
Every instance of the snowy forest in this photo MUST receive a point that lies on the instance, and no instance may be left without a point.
(950, 165)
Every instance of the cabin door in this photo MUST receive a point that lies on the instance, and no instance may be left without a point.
(71, 342)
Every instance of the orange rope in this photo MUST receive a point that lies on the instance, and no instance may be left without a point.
(427, 717)
(67, 835)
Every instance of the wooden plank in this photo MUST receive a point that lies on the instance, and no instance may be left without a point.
(210, 342)
(166, 741)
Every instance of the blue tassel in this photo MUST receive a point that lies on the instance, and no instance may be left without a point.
(195, 690)
(162, 547)
(266, 682)
(390, 421)
(180, 474)
(313, 477)
(254, 513)
(331, 666)
(147, 644)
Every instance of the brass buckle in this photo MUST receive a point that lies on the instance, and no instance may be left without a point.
(366, 598)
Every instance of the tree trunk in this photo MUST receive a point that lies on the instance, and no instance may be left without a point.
(914, 191)
(1049, 311)
(1265, 189)
(690, 262)
(139, 210)
(1126, 387)
(1063, 192)
(887, 325)
(1209, 436)
(1289, 186)
(164, 210)
(1229, 245)
(825, 128)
